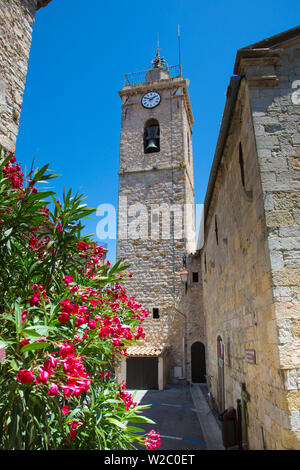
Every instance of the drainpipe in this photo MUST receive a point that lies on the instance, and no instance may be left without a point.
(184, 359)
(245, 399)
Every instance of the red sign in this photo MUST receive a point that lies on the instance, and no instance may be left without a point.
(250, 356)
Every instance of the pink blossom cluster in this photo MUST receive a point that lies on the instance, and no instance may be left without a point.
(73, 429)
(13, 173)
(39, 293)
(126, 397)
(152, 440)
(87, 305)
(39, 246)
(66, 372)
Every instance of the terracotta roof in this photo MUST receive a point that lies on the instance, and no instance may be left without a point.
(147, 350)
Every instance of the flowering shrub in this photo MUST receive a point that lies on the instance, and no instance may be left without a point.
(65, 321)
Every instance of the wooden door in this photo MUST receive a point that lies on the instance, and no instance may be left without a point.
(198, 362)
(142, 373)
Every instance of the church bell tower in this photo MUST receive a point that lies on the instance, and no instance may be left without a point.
(156, 221)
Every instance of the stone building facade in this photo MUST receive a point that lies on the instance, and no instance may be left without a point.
(156, 200)
(189, 302)
(16, 23)
(250, 260)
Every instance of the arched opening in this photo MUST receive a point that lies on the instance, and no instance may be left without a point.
(220, 367)
(151, 136)
(198, 362)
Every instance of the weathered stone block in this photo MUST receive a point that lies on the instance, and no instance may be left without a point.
(279, 218)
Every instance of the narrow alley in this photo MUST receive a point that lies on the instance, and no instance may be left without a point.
(183, 417)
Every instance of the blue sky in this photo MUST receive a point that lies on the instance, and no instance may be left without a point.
(80, 53)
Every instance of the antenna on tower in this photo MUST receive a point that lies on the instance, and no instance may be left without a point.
(179, 52)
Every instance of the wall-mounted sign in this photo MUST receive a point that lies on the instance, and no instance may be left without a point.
(250, 356)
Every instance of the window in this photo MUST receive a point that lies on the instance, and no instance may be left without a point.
(155, 312)
(216, 230)
(241, 162)
(151, 136)
(195, 277)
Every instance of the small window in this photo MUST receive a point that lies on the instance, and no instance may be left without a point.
(151, 136)
(195, 277)
(155, 312)
(241, 162)
(216, 230)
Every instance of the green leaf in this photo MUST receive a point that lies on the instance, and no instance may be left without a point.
(35, 346)
(38, 330)
(116, 422)
(7, 232)
(140, 419)
(111, 400)
(133, 428)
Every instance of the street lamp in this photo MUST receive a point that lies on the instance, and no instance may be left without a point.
(184, 275)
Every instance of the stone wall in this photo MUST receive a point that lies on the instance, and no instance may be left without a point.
(250, 258)
(16, 22)
(276, 119)
(237, 297)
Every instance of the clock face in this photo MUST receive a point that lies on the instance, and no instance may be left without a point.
(151, 99)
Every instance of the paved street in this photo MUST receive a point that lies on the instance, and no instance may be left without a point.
(182, 418)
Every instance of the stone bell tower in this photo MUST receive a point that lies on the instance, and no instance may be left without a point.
(156, 226)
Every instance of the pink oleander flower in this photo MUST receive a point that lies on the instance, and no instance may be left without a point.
(63, 317)
(50, 363)
(152, 440)
(73, 431)
(34, 300)
(24, 342)
(53, 390)
(67, 350)
(24, 315)
(42, 339)
(67, 280)
(25, 376)
(43, 377)
(65, 410)
(92, 324)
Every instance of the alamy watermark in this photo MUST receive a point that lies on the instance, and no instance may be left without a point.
(149, 222)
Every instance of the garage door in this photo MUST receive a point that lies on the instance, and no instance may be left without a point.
(142, 373)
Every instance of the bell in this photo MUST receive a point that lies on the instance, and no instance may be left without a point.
(152, 146)
(152, 139)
